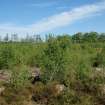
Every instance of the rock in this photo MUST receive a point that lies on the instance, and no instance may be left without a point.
(99, 69)
(35, 71)
(102, 89)
(5, 76)
(1, 90)
(60, 88)
(35, 75)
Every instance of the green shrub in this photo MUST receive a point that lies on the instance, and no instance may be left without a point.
(54, 60)
(19, 77)
(6, 57)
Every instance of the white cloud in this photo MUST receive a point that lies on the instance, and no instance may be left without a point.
(55, 21)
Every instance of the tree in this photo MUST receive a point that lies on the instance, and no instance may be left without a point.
(14, 37)
(54, 59)
(0, 38)
(28, 38)
(6, 38)
(64, 41)
(77, 37)
(101, 37)
(37, 38)
(93, 36)
(90, 37)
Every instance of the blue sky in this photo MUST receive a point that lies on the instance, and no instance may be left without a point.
(51, 16)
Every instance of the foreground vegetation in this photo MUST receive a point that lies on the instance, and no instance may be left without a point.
(75, 62)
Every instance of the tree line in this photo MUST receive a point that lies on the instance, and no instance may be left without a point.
(76, 38)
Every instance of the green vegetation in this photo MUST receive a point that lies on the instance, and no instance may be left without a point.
(77, 63)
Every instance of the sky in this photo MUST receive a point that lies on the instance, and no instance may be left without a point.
(51, 16)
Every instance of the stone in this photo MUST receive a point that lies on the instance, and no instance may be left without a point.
(1, 90)
(60, 88)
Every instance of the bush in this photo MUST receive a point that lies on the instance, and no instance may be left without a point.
(19, 77)
(6, 57)
(55, 60)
